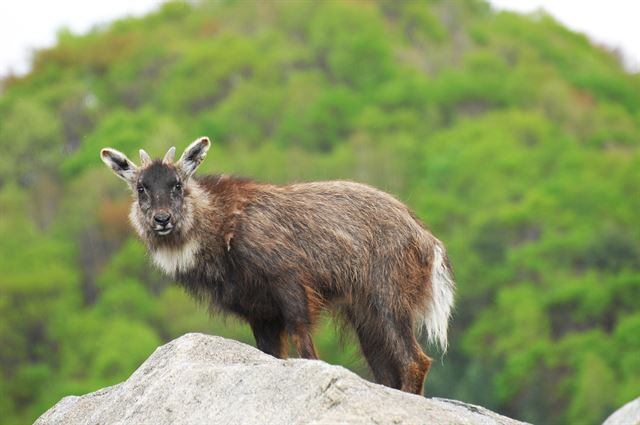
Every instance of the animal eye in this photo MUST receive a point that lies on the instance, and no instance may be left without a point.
(178, 186)
(140, 189)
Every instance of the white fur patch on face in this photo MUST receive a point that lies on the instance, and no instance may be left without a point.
(174, 260)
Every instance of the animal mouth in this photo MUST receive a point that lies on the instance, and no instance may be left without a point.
(164, 230)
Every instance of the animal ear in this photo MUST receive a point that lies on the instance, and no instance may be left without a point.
(119, 164)
(168, 157)
(145, 159)
(193, 156)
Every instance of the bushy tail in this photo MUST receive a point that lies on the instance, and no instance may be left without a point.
(439, 307)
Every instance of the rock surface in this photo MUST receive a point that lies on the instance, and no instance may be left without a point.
(198, 379)
(629, 414)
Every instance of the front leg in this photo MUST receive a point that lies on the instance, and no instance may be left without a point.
(270, 336)
(301, 336)
(300, 307)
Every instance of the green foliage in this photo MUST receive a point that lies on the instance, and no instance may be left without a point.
(347, 38)
(28, 133)
(594, 384)
(513, 138)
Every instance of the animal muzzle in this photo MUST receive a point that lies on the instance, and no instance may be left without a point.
(162, 223)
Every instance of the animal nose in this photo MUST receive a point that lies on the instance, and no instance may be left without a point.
(162, 218)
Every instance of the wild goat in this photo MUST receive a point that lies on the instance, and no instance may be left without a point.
(278, 255)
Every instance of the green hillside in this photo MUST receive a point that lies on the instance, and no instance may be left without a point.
(513, 138)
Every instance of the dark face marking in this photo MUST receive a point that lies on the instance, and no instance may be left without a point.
(160, 197)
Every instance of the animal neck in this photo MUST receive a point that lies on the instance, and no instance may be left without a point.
(175, 259)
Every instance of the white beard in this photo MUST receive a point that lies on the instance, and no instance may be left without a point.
(176, 259)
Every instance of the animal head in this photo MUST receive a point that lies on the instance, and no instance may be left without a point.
(159, 187)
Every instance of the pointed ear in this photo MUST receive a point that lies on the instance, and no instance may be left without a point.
(168, 157)
(145, 159)
(119, 164)
(193, 156)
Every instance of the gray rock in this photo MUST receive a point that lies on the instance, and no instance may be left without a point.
(629, 414)
(200, 379)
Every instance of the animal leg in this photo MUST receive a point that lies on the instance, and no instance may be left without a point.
(270, 336)
(413, 364)
(299, 314)
(372, 344)
(415, 370)
(390, 347)
(380, 363)
(301, 337)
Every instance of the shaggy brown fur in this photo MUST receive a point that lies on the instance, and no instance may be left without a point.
(277, 256)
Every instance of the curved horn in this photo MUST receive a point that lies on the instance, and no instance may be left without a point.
(145, 159)
(168, 157)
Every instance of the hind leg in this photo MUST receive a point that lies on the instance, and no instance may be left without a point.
(380, 362)
(415, 370)
(392, 352)
(375, 346)
(412, 363)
